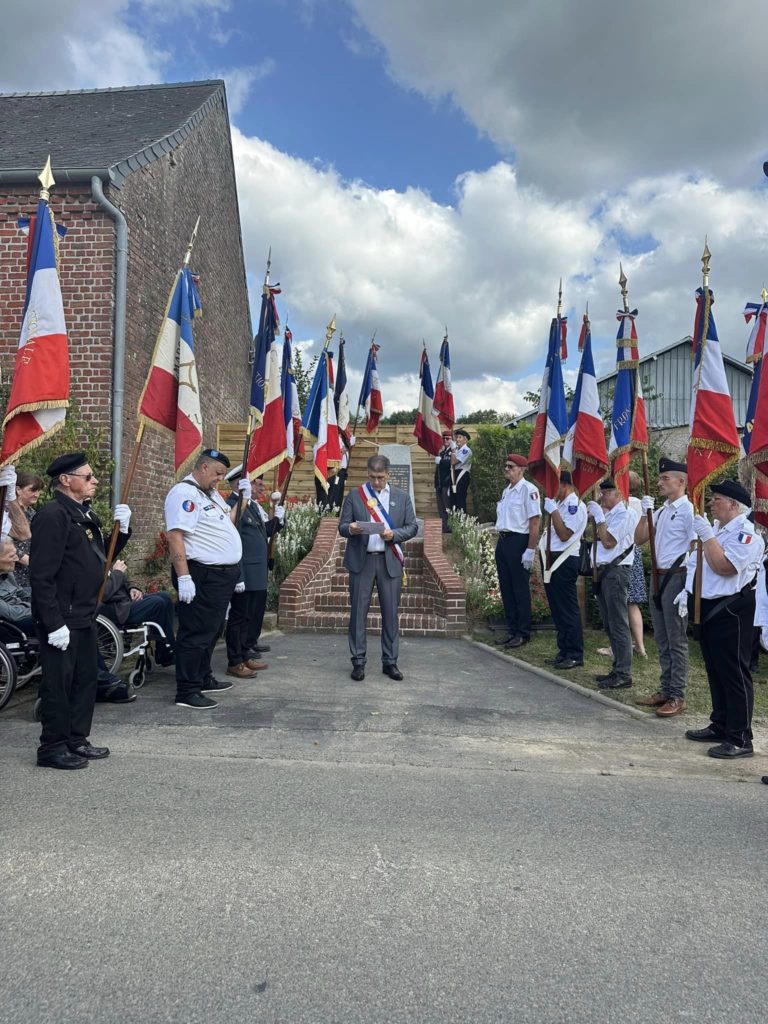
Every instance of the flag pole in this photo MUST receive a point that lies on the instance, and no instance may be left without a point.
(706, 256)
(646, 472)
(128, 482)
(557, 356)
(357, 410)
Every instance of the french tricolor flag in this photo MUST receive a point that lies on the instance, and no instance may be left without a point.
(427, 430)
(170, 400)
(267, 448)
(584, 450)
(551, 422)
(294, 439)
(319, 422)
(443, 390)
(629, 426)
(370, 392)
(37, 406)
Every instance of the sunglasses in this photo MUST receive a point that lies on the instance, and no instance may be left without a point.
(81, 476)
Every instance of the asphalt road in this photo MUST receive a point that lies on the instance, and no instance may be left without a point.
(473, 844)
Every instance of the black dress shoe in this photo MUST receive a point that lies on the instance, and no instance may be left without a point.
(764, 780)
(729, 751)
(392, 671)
(555, 661)
(615, 683)
(358, 673)
(254, 652)
(605, 678)
(516, 641)
(64, 759)
(568, 663)
(705, 735)
(88, 750)
(504, 640)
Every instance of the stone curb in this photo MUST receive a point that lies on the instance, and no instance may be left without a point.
(567, 683)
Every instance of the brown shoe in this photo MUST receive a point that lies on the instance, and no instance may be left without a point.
(257, 666)
(654, 701)
(674, 706)
(240, 671)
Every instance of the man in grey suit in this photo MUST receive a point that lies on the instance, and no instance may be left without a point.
(376, 558)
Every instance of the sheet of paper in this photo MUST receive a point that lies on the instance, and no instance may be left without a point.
(372, 527)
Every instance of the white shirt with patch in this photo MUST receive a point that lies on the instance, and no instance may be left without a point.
(464, 456)
(210, 536)
(673, 531)
(620, 522)
(574, 515)
(743, 548)
(519, 504)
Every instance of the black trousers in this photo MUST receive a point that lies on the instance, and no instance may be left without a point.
(200, 623)
(514, 582)
(726, 645)
(441, 496)
(564, 605)
(155, 608)
(457, 500)
(67, 690)
(336, 491)
(246, 616)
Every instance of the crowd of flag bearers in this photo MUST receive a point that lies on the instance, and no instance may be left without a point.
(703, 570)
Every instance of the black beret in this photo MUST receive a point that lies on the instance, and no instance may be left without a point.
(565, 477)
(732, 489)
(67, 463)
(607, 485)
(216, 455)
(463, 432)
(668, 466)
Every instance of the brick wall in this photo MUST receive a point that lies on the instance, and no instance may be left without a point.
(443, 588)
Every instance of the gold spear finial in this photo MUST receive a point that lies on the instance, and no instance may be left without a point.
(190, 247)
(764, 295)
(623, 286)
(706, 256)
(330, 330)
(560, 299)
(46, 179)
(269, 267)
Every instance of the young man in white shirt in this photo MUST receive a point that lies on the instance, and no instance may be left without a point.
(518, 514)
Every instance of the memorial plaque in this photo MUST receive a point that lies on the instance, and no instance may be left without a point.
(400, 469)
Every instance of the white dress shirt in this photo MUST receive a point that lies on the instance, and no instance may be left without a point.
(743, 548)
(210, 536)
(376, 541)
(620, 522)
(518, 504)
(574, 515)
(673, 531)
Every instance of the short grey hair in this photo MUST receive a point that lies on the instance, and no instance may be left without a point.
(378, 464)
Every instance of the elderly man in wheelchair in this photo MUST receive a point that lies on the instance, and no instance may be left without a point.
(132, 611)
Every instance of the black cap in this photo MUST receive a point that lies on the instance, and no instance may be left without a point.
(463, 432)
(732, 489)
(67, 463)
(565, 477)
(216, 455)
(668, 466)
(607, 485)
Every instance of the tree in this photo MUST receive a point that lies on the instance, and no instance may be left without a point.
(403, 417)
(303, 377)
(485, 416)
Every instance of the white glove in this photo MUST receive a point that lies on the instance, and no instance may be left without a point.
(702, 529)
(550, 505)
(352, 440)
(244, 486)
(279, 513)
(185, 587)
(8, 480)
(682, 604)
(239, 587)
(453, 446)
(647, 504)
(596, 512)
(59, 638)
(438, 460)
(122, 515)
(527, 559)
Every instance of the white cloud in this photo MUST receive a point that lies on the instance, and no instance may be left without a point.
(588, 95)
(240, 82)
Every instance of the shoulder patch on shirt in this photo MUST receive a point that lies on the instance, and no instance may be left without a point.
(573, 509)
(745, 538)
(188, 506)
(534, 495)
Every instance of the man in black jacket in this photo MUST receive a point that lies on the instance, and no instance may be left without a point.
(66, 568)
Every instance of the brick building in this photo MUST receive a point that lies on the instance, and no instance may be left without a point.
(134, 168)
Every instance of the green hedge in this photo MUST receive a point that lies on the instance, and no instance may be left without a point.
(490, 446)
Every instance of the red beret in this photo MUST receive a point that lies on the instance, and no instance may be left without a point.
(518, 460)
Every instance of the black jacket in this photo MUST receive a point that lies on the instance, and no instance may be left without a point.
(66, 564)
(255, 535)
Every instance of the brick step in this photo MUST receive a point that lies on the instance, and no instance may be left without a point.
(337, 599)
(411, 564)
(411, 623)
(340, 580)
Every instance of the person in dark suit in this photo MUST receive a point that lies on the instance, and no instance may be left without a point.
(66, 569)
(127, 605)
(376, 558)
(248, 603)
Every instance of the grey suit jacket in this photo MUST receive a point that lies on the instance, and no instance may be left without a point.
(404, 527)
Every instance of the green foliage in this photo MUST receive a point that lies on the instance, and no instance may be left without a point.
(490, 446)
(294, 541)
(155, 573)
(403, 417)
(485, 416)
(303, 376)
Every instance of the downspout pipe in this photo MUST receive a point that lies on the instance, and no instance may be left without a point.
(118, 350)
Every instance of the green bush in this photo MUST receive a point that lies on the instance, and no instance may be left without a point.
(490, 446)
(294, 541)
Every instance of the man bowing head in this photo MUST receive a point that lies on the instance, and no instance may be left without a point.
(376, 519)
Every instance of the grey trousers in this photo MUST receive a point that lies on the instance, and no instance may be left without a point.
(670, 633)
(360, 593)
(613, 607)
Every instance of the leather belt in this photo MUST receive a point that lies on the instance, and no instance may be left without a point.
(665, 572)
(512, 533)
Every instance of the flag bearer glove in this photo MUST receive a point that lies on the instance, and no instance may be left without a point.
(244, 486)
(438, 460)
(279, 513)
(8, 480)
(239, 587)
(352, 440)
(647, 503)
(702, 529)
(185, 587)
(527, 559)
(59, 638)
(596, 512)
(550, 505)
(122, 515)
(682, 603)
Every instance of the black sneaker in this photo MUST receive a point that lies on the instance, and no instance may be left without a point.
(195, 700)
(215, 686)
(615, 683)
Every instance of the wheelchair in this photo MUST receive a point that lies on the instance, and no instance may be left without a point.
(19, 659)
(116, 643)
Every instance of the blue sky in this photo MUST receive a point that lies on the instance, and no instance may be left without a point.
(413, 165)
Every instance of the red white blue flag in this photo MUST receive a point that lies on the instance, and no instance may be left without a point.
(267, 448)
(427, 430)
(584, 450)
(341, 393)
(443, 390)
(755, 437)
(294, 439)
(37, 406)
(319, 423)
(370, 392)
(170, 400)
(551, 421)
(629, 426)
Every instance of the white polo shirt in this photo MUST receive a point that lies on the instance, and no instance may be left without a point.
(574, 515)
(518, 504)
(743, 548)
(673, 531)
(210, 536)
(620, 523)
(464, 455)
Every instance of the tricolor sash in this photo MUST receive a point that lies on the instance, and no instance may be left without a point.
(380, 515)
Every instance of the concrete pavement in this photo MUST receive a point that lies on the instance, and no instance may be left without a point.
(474, 844)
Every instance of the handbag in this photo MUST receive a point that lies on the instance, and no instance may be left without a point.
(585, 557)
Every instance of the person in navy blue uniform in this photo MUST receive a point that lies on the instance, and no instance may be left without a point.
(66, 568)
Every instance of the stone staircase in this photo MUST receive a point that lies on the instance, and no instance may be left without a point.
(315, 597)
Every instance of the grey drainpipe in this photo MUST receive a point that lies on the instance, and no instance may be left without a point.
(118, 357)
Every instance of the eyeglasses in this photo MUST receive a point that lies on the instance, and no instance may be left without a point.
(81, 476)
